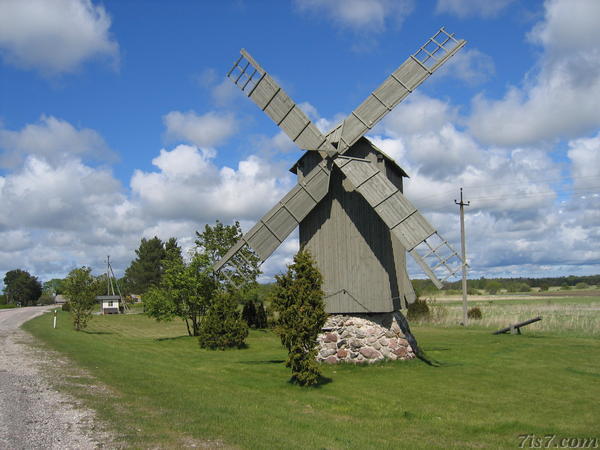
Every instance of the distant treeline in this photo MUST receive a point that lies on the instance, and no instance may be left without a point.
(506, 283)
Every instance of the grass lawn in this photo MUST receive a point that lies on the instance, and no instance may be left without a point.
(488, 390)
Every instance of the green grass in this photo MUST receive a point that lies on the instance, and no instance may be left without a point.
(167, 392)
(7, 306)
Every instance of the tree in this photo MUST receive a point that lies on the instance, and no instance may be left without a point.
(53, 286)
(298, 298)
(146, 270)
(493, 286)
(186, 291)
(261, 316)
(249, 313)
(81, 288)
(222, 327)
(215, 241)
(21, 287)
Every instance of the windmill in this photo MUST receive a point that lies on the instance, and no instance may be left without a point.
(348, 202)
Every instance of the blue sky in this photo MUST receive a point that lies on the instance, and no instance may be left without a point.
(117, 122)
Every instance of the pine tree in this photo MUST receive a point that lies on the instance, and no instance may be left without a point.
(222, 326)
(146, 270)
(261, 316)
(249, 313)
(298, 298)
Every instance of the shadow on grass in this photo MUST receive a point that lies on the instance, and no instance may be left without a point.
(270, 361)
(175, 338)
(97, 332)
(322, 382)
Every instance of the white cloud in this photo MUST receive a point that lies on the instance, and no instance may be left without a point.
(561, 99)
(53, 140)
(469, 8)
(418, 114)
(54, 36)
(206, 130)
(66, 197)
(369, 16)
(568, 25)
(469, 65)
(584, 154)
(206, 192)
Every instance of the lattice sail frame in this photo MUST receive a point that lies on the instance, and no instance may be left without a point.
(433, 253)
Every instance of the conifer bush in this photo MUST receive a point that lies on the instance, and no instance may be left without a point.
(222, 326)
(298, 300)
(261, 316)
(249, 313)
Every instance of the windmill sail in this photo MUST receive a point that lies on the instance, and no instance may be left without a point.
(406, 223)
(275, 226)
(257, 84)
(416, 69)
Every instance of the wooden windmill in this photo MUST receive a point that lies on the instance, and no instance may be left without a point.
(348, 202)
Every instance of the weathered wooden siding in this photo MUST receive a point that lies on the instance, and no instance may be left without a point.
(363, 265)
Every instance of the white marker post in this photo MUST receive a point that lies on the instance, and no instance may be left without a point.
(55, 318)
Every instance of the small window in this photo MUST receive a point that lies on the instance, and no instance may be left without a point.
(110, 303)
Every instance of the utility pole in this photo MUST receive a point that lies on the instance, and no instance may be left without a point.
(464, 254)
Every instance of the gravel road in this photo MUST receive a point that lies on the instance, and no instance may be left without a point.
(33, 415)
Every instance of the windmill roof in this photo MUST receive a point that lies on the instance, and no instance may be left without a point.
(394, 164)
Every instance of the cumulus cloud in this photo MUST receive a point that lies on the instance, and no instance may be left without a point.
(206, 130)
(469, 8)
(521, 218)
(189, 186)
(54, 36)
(584, 154)
(469, 65)
(369, 16)
(52, 139)
(561, 100)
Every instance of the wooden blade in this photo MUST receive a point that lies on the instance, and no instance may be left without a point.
(404, 221)
(416, 69)
(275, 226)
(257, 84)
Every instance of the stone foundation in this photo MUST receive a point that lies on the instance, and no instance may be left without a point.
(362, 338)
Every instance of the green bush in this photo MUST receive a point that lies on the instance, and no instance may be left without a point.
(565, 287)
(66, 306)
(418, 310)
(249, 313)
(582, 285)
(261, 316)
(222, 327)
(474, 313)
(298, 300)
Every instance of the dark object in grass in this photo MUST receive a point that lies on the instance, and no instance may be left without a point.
(474, 313)
(517, 326)
(418, 310)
